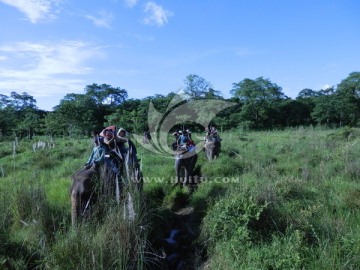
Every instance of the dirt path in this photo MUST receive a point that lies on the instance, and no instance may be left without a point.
(179, 229)
(180, 249)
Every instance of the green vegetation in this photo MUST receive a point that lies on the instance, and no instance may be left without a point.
(258, 104)
(272, 200)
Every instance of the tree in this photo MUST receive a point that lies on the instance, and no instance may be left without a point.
(4, 101)
(255, 90)
(78, 114)
(212, 94)
(350, 86)
(54, 124)
(340, 106)
(22, 101)
(106, 94)
(196, 86)
(18, 111)
(303, 106)
(325, 110)
(348, 96)
(294, 113)
(307, 93)
(261, 99)
(85, 113)
(30, 123)
(130, 115)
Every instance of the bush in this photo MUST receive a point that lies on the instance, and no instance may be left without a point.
(230, 218)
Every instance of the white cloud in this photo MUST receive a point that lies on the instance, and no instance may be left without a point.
(103, 20)
(130, 3)
(35, 10)
(155, 14)
(45, 67)
(326, 86)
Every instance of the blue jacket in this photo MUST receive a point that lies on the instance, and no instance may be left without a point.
(97, 155)
(183, 139)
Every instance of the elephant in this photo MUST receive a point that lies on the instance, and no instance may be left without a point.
(185, 162)
(82, 193)
(212, 147)
(89, 185)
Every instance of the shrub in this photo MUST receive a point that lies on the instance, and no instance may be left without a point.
(230, 217)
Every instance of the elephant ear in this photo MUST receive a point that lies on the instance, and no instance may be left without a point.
(82, 175)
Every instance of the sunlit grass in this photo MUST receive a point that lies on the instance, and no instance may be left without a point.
(299, 187)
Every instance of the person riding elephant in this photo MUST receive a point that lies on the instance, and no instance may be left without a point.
(112, 157)
(97, 155)
(211, 132)
(176, 135)
(189, 133)
(184, 142)
(121, 140)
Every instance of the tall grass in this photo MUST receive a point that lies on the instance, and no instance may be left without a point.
(35, 227)
(304, 184)
(272, 200)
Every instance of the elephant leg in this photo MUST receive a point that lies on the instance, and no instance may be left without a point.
(178, 172)
(180, 175)
(177, 177)
(209, 153)
(75, 207)
(186, 177)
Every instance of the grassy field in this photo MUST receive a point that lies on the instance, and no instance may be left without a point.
(272, 200)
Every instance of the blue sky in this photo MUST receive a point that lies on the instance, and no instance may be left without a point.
(49, 48)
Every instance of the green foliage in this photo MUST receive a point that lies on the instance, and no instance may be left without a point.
(177, 199)
(155, 195)
(230, 218)
(198, 87)
(294, 205)
(342, 133)
(206, 195)
(350, 247)
(283, 252)
(112, 244)
(260, 105)
(223, 167)
(352, 199)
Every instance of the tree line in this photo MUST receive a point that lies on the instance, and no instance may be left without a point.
(259, 105)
